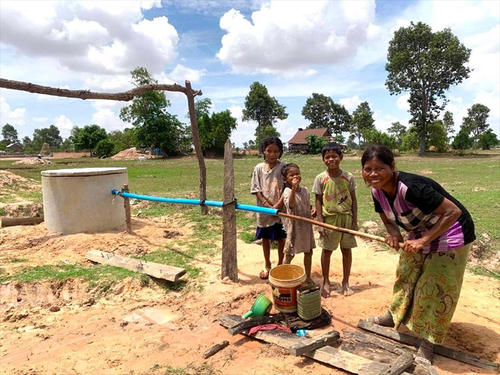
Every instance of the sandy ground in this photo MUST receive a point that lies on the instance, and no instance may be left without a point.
(69, 328)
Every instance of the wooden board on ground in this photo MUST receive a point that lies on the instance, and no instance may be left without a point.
(325, 354)
(14, 221)
(160, 271)
(438, 349)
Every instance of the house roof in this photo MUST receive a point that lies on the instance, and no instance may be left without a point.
(301, 135)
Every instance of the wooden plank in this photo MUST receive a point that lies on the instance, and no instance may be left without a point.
(397, 367)
(160, 271)
(330, 337)
(376, 341)
(438, 349)
(229, 266)
(326, 354)
(14, 221)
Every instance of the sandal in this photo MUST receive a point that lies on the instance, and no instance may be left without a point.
(264, 274)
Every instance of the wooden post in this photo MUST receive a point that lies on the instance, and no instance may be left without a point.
(229, 254)
(197, 146)
(126, 205)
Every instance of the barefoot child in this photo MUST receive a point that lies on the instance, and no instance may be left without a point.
(336, 205)
(267, 185)
(297, 201)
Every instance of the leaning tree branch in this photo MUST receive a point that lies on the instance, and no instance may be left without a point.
(87, 94)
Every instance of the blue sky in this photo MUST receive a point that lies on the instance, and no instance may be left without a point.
(295, 48)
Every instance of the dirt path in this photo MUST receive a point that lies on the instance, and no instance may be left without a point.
(65, 328)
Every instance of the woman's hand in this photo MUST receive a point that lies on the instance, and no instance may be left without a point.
(393, 240)
(413, 246)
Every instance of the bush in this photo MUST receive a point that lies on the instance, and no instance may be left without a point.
(488, 139)
(462, 141)
(104, 148)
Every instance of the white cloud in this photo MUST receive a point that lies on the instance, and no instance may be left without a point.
(351, 103)
(103, 37)
(64, 125)
(402, 102)
(182, 73)
(384, 120)
(245, 130)
(40, 119)
(288, 35)
(14, 117)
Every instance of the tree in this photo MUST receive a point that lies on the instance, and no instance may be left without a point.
(488, 139)
(9, 134)
(426, 64)
(397, 130)
(318, 110)
(104, 148)
(315, 144)
(154, 126)
(437, 136)
(475, 121)
(215, 131)
(122, 140)
(341, 120)
(264, 109)
(448, 122)
(202, 107)
(362, 118)
(462, 141)
(373, 136)
(88, 137)
(48, 135)
(27, 145)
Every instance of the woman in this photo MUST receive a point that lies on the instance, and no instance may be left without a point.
(432, 264)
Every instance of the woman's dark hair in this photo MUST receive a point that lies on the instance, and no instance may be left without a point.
(382, 153)
(287, 167)
(332, 146)
(271, 141)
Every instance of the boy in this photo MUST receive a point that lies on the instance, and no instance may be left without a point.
(336, 205)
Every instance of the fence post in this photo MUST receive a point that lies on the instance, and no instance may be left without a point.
(229, 254)
(126, 205)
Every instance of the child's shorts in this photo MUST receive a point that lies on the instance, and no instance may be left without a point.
(274, 232)
(332, 238)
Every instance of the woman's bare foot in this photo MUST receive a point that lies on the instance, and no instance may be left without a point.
(346, 290)
(325, 290)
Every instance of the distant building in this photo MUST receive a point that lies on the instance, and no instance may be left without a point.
(298, 143)
(15, 148)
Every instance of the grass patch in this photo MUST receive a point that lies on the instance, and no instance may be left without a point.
(192, 369)
(483, 271)
(17, 260)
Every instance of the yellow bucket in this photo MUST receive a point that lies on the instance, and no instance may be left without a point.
(285, 280)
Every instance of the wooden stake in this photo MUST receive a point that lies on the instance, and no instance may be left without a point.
(126, 205)
(229, 254)
(14, 221)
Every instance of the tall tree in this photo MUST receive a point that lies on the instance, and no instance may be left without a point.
(318, 110)
(397, 130)
(261, 107)
(215, 131)
(426, 64)
(475, 121)
(341, 120)
(448, 122)
(9, 134)
(49, 135)
(202, 106)
(155, 127)
(362, 119)
(89, 137)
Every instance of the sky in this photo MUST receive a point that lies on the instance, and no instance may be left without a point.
(295, 48)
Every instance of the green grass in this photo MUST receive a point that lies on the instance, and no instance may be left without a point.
(484, 272)
(472, 179)
(192, 369)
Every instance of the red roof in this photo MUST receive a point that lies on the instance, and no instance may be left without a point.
(301, 135)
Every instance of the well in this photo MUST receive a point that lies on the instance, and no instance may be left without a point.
(80, 200)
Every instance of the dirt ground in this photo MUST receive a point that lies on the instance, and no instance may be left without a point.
(67, 328)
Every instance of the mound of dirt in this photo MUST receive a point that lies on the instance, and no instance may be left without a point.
(8, 179)
(32, 161)
(129, 154)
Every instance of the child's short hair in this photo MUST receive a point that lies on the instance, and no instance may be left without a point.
(332, 146)
(287, 167)
(272, 141)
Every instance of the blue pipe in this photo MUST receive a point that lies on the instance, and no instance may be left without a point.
(244, 207)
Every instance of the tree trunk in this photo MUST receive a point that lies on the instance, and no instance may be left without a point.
(421, 146)
(197, 146)
(229, 254)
